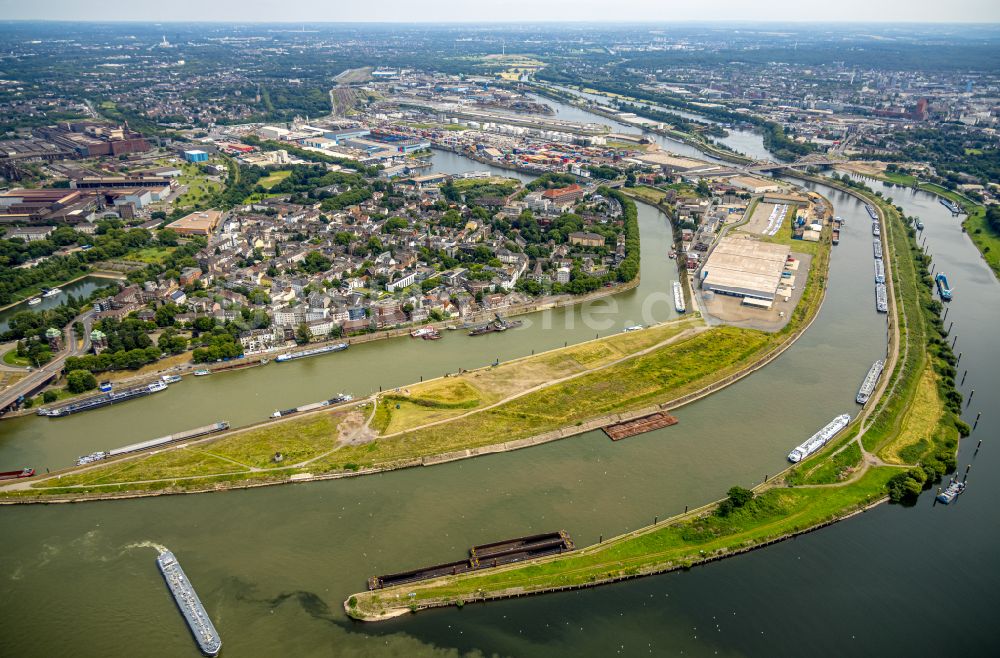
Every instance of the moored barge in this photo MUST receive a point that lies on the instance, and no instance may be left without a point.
(484, 556)
(103, 400)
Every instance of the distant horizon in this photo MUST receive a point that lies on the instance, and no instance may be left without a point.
(512, 12)
(595, 22)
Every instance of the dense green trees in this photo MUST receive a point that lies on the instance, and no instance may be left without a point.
(78, 381)
(629, 268)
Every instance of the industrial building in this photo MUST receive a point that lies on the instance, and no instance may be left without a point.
(745, 268)
(196, 156)
(197, 223)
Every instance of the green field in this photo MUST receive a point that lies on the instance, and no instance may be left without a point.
(11, 358)
(151, 255)
(274, 178)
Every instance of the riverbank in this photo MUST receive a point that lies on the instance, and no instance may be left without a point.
(974, 224)
(776, 513)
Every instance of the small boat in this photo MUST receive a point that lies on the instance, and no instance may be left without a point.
(672, 254)
(920, 225)
(105, 387)
(943, 288)
(953, 491)
(423, 331)
(34, 300)
(202, 372)
(51, 292)
(637, 327)
(171, 379)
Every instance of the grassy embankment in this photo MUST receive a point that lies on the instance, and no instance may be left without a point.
(776, 511)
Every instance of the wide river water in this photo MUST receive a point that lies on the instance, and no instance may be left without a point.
(273, 565)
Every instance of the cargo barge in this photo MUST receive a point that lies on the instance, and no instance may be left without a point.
(153, 443)
(820, 438)
(868, 385)
(343, 397)
(871, 211)
(17, 475)
(836, 236)
(877, 246)
(881, 298)
(623, 430)
(951, 205)
(485, 556)
(103, 400)
(497, 325)
(679, 297)
(942, 285)
(879, 271)
(187, 600)
(316, 351)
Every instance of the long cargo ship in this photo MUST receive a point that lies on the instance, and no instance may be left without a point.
(316, 351)
(153, 443)
(942, 285)
(679, 298)
(820, 438)
(879, 271)
(871, 211)
(103, 400)
(881, 298)
(343, 397)
(868, 385)
(952, 206)
(197, 619)
(877, 246)
(16, 475)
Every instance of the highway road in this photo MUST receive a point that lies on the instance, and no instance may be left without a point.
(51, 369)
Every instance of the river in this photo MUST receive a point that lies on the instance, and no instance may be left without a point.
(80, 288)
(747, 142)
(273, 565)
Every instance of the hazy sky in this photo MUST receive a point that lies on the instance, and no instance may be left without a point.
(979, 11)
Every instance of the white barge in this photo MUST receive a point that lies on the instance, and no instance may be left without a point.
(820, 438)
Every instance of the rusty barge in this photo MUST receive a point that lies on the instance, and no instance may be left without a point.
(485, 556)
(628, 428)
